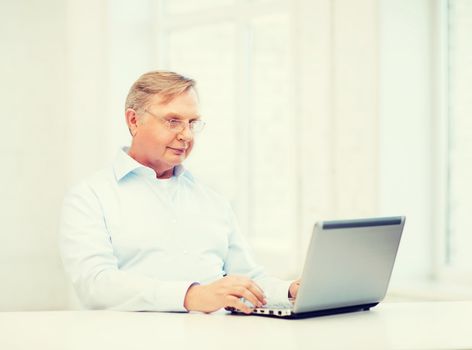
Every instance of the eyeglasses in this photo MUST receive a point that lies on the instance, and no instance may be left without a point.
(177, 125)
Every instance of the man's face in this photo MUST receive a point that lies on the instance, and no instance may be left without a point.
(154, 143)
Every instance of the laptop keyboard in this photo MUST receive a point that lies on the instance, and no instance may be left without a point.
(281, 305)
(277, 309)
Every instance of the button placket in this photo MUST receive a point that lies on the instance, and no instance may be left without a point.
(169, 199)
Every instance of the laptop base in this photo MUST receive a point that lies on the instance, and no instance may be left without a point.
(318, 313)
(339, 310)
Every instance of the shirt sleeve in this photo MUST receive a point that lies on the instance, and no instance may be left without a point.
(88, 258)
(240, 261)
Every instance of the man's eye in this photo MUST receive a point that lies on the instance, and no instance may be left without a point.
(173, 123)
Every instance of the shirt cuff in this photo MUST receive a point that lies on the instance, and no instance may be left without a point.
(276, 290)
(280, 291)
(171, 296)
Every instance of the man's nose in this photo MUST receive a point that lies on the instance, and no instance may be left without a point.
(186, 134)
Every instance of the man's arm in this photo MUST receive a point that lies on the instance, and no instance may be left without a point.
(239, 261)
(244, 280)
(88, 258)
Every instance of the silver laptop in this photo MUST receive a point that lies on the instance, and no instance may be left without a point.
(347, 268)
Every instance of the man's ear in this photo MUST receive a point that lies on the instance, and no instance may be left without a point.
(131, 121)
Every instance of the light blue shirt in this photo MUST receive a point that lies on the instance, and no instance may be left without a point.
(130, 241)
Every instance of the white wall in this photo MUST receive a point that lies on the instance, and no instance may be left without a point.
(109, 44)
(63, 89)
(34, 121)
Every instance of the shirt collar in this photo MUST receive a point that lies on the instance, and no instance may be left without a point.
(124, 164)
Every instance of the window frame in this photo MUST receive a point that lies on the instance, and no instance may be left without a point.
(443, 271)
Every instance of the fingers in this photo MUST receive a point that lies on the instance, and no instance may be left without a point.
(293, 289)
(237, 303)
(255, 290)
(243, 287)
(251, 298)
(228, 293)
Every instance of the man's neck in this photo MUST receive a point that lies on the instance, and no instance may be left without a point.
(161, 172)
(166, 174)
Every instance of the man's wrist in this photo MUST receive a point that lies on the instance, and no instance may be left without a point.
(190, 296)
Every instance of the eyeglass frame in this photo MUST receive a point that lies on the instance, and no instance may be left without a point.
(181, 125)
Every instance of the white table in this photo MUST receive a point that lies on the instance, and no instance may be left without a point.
(428, 325)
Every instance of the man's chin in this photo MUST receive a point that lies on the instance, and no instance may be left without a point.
(175, 161)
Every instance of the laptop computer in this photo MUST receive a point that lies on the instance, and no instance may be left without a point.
(347, 268)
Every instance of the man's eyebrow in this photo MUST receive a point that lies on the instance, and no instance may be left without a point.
(173, 115)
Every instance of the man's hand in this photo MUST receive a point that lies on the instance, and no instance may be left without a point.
(293, 289)
(225, 292)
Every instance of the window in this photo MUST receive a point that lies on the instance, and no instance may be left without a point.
(459, 135)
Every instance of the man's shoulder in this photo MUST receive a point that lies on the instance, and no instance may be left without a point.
(94, 182)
